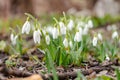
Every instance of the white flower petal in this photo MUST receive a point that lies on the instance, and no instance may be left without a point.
(36, 36)
(90, 24)
(47, 38)
(55, 33)
(71, 44)
(26, 27)
(62, 28)
(65, 43)
(115, 35)
(70, 25)
(13, 39)
(99, 36)
(78, 37)
(95, 39)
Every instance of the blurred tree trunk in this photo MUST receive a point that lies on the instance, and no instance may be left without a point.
(21, 6)
(62, 5)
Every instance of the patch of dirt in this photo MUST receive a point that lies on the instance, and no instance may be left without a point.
(27, 66)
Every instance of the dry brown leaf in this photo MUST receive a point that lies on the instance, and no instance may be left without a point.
(33, 77)
(104, 72)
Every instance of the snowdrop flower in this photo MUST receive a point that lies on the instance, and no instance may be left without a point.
(99, 36)
(70, 44)
(80, 30)
(90, 24)
(62, 28)
(81, 24)
(26, 27)
(13, 39)
(78, 37)
(55, 33)
(36, 36)
(85, 30)
(95, 39)
(49, 29)
(114, 35)
(65, 43)
(107, 57)
(47, 38)
(44, 31)
(70, 25)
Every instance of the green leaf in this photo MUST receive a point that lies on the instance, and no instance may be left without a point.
(2, 45)
(58, 56)
(50, 64)
(118, 74)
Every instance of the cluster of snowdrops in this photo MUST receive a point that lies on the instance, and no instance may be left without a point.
(68, 40)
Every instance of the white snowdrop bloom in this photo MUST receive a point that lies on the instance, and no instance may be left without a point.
(114, 35)
(85, 30)
(90, 24)
(26, 27)
(61, 24)
(107, 57)
(44, 31)
(80, 30)
(81, 24)
(65, 43)
(99, 36)
(78, 37)
(95, 39)
(70, 25)
(13, 39)
(36, 36)
(70, 44)
(55, 33)
(49, 29)
(47, 38)
(62, 28)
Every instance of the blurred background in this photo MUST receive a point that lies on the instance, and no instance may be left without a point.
(12, 11)
(102, 13)
(13, 8)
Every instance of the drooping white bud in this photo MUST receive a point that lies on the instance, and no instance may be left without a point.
(47, 38)
(99, 36)
(90, 24)
(13, 39)
(114, 35)
(62, 28)
(94, 42)
(70, 44)
(26, 27)
(70, 25)
(65, 43)
(44, 31)
(85, 30)
(107, 57)
(55, 33)
(80, 30)
(78, 37)
(81, 24)
(36, 36)
(49, 29)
